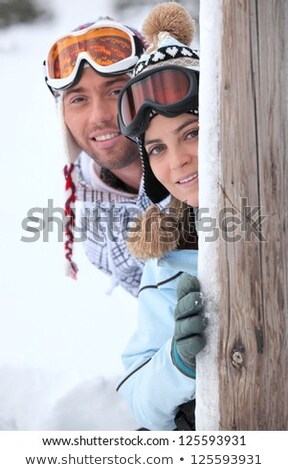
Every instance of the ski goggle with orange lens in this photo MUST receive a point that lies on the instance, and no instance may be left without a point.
(107, 46)
(168, 90)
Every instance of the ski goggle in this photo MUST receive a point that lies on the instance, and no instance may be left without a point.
(168, 90)
(107, 46)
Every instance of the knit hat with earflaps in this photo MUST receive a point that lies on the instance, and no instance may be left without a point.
(72, 152)
(169, 29)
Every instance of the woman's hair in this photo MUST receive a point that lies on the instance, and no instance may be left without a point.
(158, 231)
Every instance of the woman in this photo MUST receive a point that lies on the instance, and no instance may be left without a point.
(159, 109)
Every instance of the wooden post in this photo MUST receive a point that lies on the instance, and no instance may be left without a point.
(250, 315)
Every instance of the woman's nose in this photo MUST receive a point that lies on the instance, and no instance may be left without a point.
(179, 158)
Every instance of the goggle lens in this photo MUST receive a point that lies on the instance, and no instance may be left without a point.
(165, 87)
(104, 46)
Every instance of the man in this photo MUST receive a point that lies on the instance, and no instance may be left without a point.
(85, 70)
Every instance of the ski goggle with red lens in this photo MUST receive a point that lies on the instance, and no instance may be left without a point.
(109, 47)
(169, 90)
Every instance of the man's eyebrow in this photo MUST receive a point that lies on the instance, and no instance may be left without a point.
(117, 79)
(110, 81)
(69, 91)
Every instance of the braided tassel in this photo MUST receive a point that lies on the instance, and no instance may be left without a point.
(71, 268)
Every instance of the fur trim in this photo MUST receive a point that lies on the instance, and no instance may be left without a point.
(158, 231)
(153, 235)
(170, 17)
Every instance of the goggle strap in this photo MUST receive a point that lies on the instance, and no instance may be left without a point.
(129, 102)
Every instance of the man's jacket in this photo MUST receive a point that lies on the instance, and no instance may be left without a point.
(104, 215)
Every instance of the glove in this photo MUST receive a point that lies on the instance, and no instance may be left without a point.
(188, 339)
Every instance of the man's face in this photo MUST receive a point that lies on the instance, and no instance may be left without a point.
(90, 113)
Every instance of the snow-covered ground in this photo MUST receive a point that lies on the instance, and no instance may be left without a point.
(60, 340)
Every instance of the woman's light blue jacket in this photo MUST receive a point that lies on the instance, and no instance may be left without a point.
(152, 385)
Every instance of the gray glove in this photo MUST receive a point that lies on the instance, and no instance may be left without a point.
(190, 324)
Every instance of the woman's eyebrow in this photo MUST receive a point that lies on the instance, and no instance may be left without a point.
(185, 124)
(175, 131)
(152, 141)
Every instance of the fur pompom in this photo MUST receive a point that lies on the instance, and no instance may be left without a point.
(172, 18)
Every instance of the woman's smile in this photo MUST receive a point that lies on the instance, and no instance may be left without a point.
(172, 148)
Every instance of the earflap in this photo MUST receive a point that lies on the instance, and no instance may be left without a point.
(153, 188)
(71, 151)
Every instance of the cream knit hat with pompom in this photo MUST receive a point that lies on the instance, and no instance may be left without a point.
(169, 29)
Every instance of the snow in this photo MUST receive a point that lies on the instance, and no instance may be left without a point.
(60, 340)
(210, 35)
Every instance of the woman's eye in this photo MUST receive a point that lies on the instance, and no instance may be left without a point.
(155, 150)
(192, 134)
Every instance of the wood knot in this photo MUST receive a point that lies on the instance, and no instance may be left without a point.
(238, 357)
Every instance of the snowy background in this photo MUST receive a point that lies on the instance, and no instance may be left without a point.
(60, 340)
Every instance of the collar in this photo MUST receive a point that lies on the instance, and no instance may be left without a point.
(180, 260)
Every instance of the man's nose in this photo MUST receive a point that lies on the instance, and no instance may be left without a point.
(101, 111)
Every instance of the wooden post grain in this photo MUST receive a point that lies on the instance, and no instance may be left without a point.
(253, 216)
(252, 248)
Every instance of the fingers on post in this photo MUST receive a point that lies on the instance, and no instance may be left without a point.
(190, 326)
(189, 305)
(186, 284)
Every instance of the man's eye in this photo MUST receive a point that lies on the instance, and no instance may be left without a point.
(116, 91)
(76, 99)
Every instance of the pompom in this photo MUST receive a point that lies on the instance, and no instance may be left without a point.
(171, 17)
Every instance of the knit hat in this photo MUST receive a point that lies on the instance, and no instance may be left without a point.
(169, 29)
(72, 150)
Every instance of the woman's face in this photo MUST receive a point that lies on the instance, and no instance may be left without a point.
(172, 148)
